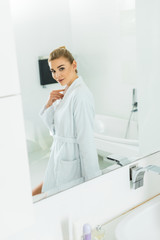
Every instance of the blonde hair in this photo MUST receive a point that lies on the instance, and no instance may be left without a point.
(61, 52)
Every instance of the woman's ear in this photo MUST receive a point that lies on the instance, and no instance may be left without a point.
(74, 64)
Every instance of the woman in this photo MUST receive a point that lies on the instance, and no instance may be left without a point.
(69, 116)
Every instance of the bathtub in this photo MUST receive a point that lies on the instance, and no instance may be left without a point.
(143, 223)
(110, 133)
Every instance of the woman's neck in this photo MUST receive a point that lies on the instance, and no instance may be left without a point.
(69, 84)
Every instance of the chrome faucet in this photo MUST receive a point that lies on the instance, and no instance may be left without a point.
(120, 160)
(137, 174)
(134, 109)
(134, 100)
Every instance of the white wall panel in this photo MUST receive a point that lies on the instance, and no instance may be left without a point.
(15, 191)
(8, 66)
(148, 73)
(104, 40)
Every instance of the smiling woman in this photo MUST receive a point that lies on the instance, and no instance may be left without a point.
(69, 116)
(63, 66)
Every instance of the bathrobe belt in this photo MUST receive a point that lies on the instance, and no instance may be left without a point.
(65, 139)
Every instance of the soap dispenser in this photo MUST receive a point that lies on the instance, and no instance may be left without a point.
(98, 233)
(86, 232)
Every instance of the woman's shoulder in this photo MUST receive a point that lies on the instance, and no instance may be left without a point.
(82, 90)
(82, 95)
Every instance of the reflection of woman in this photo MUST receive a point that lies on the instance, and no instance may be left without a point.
(69, 115)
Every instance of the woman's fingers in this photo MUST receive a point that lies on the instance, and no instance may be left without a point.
(55, 95)
(56, 92)
(56, 98)
(59, 90)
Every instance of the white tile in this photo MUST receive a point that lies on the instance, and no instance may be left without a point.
(15, 195)
(9, 83)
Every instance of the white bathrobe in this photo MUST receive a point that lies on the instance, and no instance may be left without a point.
(73, 157)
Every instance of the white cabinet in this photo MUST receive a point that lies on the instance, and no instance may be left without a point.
(15, 190)
(9, 83)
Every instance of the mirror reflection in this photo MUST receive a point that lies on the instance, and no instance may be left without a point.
(69, 116)
(102, 40)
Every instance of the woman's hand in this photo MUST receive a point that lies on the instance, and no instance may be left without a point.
(54, 95)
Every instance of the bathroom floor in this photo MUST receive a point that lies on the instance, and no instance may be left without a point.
(37, 163)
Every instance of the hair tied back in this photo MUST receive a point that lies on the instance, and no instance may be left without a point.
(63, 47)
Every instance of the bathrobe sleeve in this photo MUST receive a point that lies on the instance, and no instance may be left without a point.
(47, 115)
(84, 115)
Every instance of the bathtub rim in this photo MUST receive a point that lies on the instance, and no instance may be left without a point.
(125, 141)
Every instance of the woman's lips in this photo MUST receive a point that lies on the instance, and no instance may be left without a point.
(60, 80)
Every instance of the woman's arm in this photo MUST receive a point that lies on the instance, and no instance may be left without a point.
(47, 112)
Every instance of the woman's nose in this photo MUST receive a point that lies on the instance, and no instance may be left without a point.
(57, 75)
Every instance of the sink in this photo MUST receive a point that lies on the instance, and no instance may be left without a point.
(143, 223)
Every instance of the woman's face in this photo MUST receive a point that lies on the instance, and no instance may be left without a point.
(63, 71)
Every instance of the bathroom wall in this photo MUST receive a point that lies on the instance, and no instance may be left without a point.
(96, 202)
(16, 210)
(100, 36)
(39, 27)
(148, 73)
(104, 40)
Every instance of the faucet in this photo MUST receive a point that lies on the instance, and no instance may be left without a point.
(134, 109)
(137, 174)
(134, 100)
(120, 160)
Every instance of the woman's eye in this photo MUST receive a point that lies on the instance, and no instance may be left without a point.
(61, 69)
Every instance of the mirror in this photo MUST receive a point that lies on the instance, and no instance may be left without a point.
(102, 38)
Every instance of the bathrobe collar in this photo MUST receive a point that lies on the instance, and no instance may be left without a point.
(76, 82)
(73, 85)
